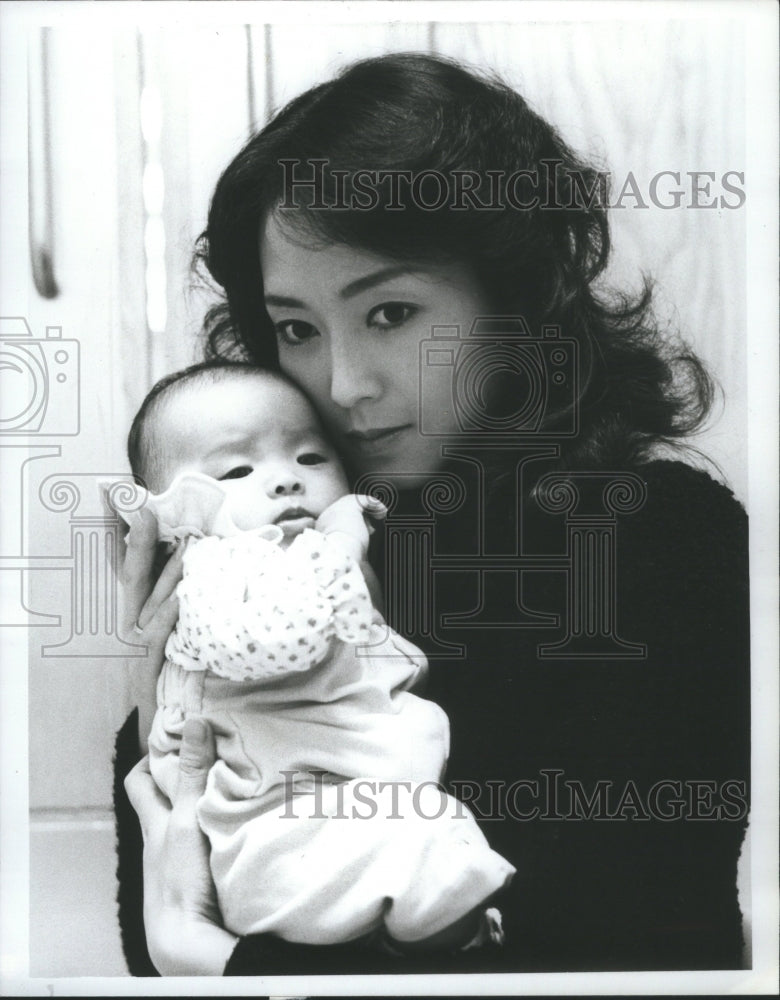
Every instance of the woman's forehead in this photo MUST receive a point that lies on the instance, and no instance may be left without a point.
(301, 269)
(287, 246)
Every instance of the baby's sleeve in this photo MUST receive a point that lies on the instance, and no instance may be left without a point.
(245, 613)
(340, 583)
(193, 505)
(249, 610)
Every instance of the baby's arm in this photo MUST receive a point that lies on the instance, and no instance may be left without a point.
(347, 521)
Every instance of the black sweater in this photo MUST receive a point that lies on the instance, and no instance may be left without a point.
(617, 787)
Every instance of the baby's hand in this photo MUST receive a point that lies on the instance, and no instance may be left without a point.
(349, 516)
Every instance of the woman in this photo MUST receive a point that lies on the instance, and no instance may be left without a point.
(408, 194)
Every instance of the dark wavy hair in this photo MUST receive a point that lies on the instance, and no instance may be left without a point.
(410, 112)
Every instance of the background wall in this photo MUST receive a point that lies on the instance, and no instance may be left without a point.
(132, 128)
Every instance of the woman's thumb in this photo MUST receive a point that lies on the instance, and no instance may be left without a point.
(196, 756)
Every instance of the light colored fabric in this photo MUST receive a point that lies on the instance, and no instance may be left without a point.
(301, 845)
(193, 505)
(269, 611)
(350, 715)
(334, 866)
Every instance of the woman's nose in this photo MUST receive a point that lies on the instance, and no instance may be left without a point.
(353, 372)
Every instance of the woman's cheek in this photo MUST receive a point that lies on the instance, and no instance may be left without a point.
(309, 373)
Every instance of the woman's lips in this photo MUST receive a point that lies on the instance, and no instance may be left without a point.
(376, 440)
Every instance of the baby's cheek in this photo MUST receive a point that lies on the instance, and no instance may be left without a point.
(328, 492)
(248, 508)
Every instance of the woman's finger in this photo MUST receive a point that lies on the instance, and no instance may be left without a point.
(151, 630)
(138, 567)
(160, 626)
(163, 589)
(196, 756)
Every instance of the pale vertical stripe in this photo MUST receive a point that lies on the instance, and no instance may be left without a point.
(207, 108)
(129, 340)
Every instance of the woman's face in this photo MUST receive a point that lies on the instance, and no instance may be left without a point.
(351, 328)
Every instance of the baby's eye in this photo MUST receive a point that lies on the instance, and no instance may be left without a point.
(311, 458)
(238, 473)
(390, 314)
(295, 331)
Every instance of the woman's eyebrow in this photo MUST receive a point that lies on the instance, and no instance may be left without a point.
(284, 301)
(348, 291)
(373, 279)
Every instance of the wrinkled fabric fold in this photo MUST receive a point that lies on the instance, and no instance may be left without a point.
(269, 611)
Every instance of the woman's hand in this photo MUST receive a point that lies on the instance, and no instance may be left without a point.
(181, 917)
(149, 612)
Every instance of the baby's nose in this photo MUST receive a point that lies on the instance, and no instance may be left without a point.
(285, 484)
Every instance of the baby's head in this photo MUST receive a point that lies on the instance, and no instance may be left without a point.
(253, 430)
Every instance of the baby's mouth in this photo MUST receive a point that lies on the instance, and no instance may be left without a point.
(293, 515)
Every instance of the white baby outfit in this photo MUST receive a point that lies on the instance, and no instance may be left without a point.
(323, 812)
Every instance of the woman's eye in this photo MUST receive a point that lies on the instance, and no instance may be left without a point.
(390, 314)
(238, 473)
(295, 331)
(311, 458)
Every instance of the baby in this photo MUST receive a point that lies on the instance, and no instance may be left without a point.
(323, 813)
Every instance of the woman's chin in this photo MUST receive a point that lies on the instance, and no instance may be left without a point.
(398, 475)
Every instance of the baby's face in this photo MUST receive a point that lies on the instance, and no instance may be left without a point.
(262, 440)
